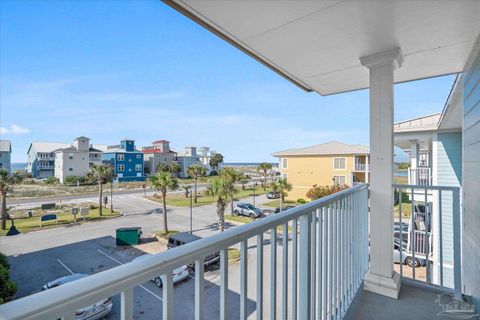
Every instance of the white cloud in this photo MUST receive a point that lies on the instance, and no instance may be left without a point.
(14, 129)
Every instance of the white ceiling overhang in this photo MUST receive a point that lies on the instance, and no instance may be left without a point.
(317, 44)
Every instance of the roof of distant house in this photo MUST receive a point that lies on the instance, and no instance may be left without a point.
(82, 138)
(152, 150)
(5, 146)
(160, 141)
(73, 149)
(423, 123)
(42, 146)
(329, 148)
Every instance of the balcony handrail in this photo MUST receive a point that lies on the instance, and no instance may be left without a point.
(65, 299)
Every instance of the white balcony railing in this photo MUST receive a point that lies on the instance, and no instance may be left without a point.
(420, 176)
(433, 235)
(360, 167)
(329, 242)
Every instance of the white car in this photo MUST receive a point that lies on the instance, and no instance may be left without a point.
(179, 274)
(95, 311)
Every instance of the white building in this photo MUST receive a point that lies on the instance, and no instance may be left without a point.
(187, 158)
(158, 153)
(206, 154)
(76, 159)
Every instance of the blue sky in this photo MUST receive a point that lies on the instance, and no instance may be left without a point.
(113, 69)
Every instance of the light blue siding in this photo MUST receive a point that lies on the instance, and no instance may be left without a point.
(471, 177)
(449, 173)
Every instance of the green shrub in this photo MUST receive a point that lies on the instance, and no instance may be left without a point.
(7, 287)
(317, 192)
(51, 180)
(4, 261)
(93, 206)
(301, 201)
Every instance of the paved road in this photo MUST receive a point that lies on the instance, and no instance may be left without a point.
(42, 256)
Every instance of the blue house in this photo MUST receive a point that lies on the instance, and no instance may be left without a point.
(126, 161)
(5, 151)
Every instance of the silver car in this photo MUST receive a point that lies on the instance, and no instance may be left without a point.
(407, 258)
(95, 311)
(179, 274)
(247, 209)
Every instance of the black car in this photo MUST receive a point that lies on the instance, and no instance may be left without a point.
(273, 195)
(277, 210)
(179, 239)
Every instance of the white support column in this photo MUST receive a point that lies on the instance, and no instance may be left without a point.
(414, 159)
(367, 169)
(381, 278)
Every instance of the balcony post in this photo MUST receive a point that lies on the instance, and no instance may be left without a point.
(414, 158)
(381, 278)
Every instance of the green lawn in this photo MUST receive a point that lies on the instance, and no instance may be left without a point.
(241, 219)
(406, 207)
(233, 254)
(64, 216)
(401, 180)
(276, 203)
(178, 200)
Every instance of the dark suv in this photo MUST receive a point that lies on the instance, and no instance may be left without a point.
(179, 239)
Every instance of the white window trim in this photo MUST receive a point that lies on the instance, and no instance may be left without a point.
(340, 175)
(345, 162)
(120, 155)
(282, 163)
(118, 167)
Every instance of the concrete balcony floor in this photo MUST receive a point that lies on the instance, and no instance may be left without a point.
(413, 303)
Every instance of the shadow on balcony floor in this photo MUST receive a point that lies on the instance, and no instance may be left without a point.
(413, 303)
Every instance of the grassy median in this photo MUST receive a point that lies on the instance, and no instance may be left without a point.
(64, 216)
(179, 200)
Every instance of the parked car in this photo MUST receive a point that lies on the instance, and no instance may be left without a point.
(182, 238)
(247, 209)
(95, 311)
(277, 210)
(273, 195)
(179, 274)
(407, 258)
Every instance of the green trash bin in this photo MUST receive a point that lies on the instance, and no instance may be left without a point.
(128, 236)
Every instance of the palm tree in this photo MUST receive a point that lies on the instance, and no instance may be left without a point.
(6, 185)
(215, 161)
(234, 177)
(243, 179)
(164, 181)
(101, 174)
(282, 186)
(222, 189)
(264, 167)
(196, 171)
(172, 167)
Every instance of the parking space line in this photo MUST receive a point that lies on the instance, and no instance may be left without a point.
(140, 285)
(63, 264)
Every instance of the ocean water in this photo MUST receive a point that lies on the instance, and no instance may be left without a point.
(18, 166)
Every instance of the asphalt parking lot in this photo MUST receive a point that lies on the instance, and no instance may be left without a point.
(31, 271)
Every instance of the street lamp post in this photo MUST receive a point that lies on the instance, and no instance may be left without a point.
(254, 185)
(111, 195)
(188, 192)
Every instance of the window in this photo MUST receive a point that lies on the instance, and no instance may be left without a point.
(70, 169)
(70, 156)
(285, 176)
(138, 167)
(1, 165)
(139, 156)
(339, 180)
(339, 163)
(120, 157)
(121, 167)
(284, 163)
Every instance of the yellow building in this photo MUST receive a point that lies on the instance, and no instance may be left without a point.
(322, 165)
